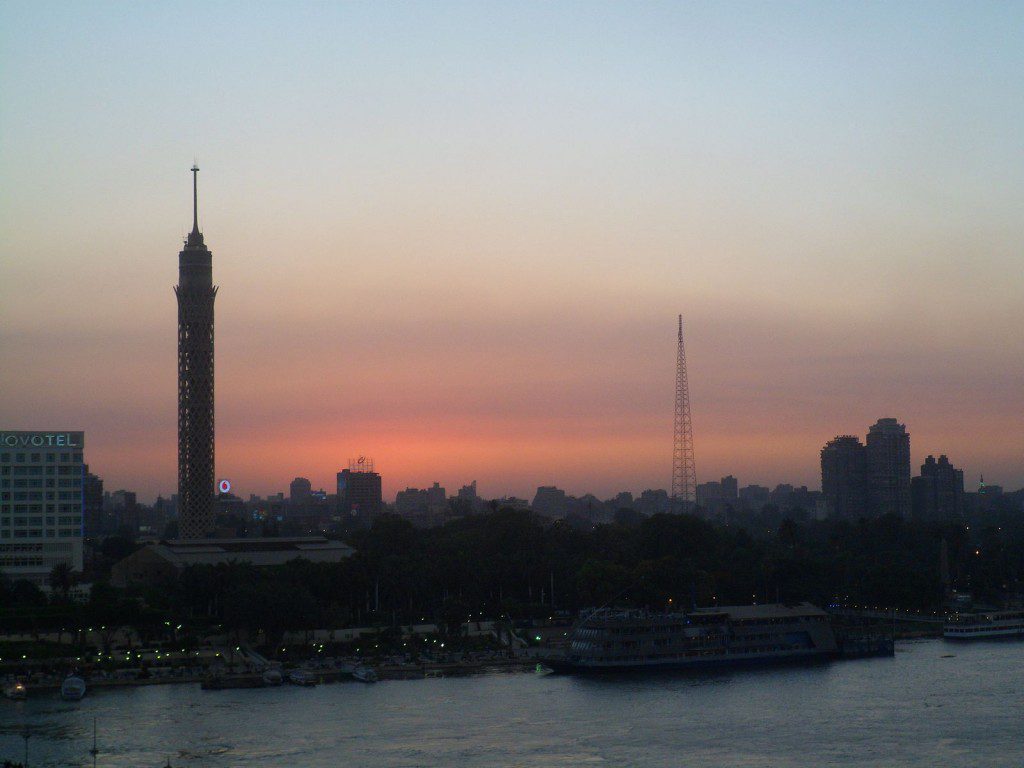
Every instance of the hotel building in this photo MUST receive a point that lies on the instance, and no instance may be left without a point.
(41, 501)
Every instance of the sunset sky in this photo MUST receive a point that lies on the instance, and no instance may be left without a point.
(455, 236)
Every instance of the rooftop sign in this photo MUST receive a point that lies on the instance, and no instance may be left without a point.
(42, 439)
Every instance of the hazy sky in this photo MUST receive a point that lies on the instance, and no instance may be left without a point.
(455, 236)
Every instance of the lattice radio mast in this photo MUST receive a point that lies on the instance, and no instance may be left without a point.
(684, 472)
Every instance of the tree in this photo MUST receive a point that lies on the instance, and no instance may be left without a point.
(61, 579)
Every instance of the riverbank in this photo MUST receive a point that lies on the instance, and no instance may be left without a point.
(227, 679)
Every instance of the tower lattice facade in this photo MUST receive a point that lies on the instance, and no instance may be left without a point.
(684, 472)
(195, 292)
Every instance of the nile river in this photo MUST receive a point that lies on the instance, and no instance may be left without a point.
(921, 708)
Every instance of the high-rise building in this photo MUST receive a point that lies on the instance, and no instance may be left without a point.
(888, 462)
(359, 493)
(938, 493)
(93, 520)
(844, 477)
(300, 490)
(123, 507)
(550, 502)
(754, 496)
(195, 291)
(730, 488)
(41, 503)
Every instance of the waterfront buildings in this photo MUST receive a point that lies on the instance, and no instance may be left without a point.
(41, 503)
(888, 466)
(196, 293)
(844, 477)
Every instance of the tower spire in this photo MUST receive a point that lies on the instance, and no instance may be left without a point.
(684, 473)
(195, 198)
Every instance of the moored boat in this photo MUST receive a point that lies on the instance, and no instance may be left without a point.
(611, 640)
(984, 625)
(272, 676)
(302, 677)
(73, 688)
(16, 690)
(365, 674)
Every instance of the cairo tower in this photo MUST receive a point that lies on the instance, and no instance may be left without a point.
(195, 292)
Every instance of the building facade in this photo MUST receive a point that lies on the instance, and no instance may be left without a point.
(938, 493)
(888, 462)
(41, 503)
(359, 495)
(195, 291)
(844, 477)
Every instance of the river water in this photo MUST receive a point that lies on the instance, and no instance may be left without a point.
(921, 708)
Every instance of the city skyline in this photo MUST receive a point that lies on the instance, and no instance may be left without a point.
(463, 307)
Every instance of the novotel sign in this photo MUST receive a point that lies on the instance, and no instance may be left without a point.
(42, 439)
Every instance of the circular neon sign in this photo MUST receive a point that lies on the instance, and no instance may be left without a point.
(224, 486)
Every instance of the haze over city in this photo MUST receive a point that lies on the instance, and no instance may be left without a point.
(456, 237)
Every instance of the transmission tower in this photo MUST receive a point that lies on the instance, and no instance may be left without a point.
(684, 472)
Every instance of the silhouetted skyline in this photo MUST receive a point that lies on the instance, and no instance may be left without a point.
(456, 237)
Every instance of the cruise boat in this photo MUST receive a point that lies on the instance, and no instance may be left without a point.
(984, 624)
(73, 688)
(609, 639)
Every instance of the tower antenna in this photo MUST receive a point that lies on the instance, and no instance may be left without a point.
(195, 197)
(684, 472)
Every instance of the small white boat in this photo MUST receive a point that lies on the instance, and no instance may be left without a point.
(365, 674)
(17, 690)
(73, 688)
(272, 676)
(302, 677)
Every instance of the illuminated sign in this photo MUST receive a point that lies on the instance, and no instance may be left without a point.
(42, 439)
(224, 486)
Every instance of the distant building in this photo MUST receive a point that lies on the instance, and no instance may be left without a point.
(123, 508)
(888, 462)
(653, 502)
(468, 493)
(730, 488)
(512, 502)
(164, 561)
(623, 500)
(418, 501)
(467, 500)
(844, 477)
(754, 497)
(938, 493)
(41, 503)
(359, 494)
(94, 523)
(300, 490)
(550, 502)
